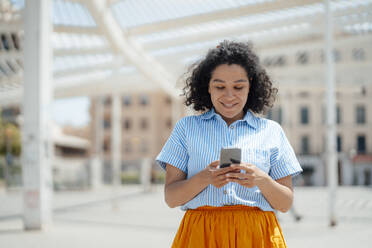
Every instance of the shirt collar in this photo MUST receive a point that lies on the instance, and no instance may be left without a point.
(249, 117)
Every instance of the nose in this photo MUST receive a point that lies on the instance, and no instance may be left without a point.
(229, 92)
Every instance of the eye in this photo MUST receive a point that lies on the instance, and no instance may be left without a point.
(239, 88)
(220, 87)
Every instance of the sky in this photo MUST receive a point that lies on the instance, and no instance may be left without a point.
(71, 111)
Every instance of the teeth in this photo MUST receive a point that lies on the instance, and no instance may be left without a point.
(229, 105)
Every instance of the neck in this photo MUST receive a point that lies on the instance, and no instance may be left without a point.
(229, 121)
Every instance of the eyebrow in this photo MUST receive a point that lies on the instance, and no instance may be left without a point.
(237, 81)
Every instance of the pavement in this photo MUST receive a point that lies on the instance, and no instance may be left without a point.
(127, 217)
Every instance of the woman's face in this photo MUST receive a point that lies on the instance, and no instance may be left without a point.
(229, 88)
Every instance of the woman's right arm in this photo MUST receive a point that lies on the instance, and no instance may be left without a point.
(179, 190)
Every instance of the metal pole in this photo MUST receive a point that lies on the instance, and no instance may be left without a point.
(116, 146)
(97, 160)
(116, 139)
(99, 126)
(146, 174)
(331, 154)
(37, 94)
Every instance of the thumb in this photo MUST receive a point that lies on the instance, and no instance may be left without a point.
(214, 164)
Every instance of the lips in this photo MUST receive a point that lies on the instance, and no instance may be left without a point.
(228, 105)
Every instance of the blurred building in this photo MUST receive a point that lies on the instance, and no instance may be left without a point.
(146, 123)
(301, 110)
(10, 114)
(71, 161)
(71, 154)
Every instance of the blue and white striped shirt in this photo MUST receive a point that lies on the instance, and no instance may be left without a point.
(196, 141)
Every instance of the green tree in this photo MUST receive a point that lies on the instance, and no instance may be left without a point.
(10, 138)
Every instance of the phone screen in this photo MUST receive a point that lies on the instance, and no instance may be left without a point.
(229, 156)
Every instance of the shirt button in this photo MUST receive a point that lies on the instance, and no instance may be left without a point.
(232, 127)
(224, 192)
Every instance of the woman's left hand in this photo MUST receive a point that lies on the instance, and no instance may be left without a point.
(253, 175)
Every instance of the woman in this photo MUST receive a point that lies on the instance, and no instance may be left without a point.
(232, 206)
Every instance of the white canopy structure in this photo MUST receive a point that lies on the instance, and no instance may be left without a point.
(104, 46)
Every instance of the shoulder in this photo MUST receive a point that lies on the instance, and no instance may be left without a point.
(190, 120)
(185, 121)
(269, 125)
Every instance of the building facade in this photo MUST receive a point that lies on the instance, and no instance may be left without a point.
(302, 114)
(146, 123)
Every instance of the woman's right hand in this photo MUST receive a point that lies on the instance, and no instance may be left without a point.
(214, 175)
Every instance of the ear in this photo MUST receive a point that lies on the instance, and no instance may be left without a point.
(209, 88)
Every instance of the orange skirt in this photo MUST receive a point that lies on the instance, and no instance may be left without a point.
(229, 227)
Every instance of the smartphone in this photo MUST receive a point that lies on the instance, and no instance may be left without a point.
(230, 156)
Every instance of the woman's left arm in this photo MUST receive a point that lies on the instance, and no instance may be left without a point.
(279, 193)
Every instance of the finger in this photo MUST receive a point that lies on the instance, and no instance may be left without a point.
(245, 183)
(246, 167)
(219, 178)
(226, 170)
(214, 164)
(236, 175)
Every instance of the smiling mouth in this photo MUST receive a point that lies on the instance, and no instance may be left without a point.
(228, 105)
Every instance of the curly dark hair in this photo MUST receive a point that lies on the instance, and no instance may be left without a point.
(261, 94)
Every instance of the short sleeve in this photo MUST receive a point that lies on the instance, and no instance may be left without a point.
(174, 152)
(283, 160)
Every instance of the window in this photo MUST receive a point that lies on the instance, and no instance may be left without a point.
(3, 70)
(336, 55)
(338, 114)
(269, 114)
(304, 114)
(107, 101)
(280, 115)
(339, 143)
(106, 144)
(5, 42)
(275, 61)
(358, 54)
(360, 115)
(144, 123)
(168, 100)
(127, 124)
(144, 100)
(363, 91)
(302, 58)
(305, 147)
(127, 100)
(275, 115)
(280, 61)
(323, 114)
(106, 123)
(15, 41)
(361, 144)
(303, 94)
(168, 123)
